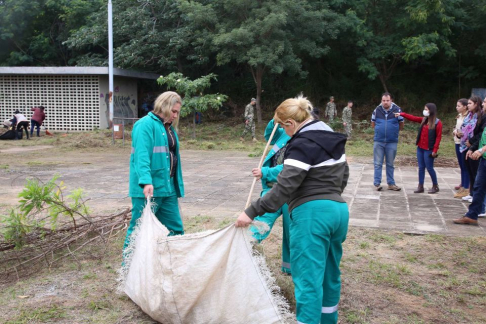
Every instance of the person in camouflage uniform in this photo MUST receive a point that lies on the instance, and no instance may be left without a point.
(249, 120)
(331, 111)
(347, 120)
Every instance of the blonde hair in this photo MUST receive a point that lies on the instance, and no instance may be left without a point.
(298, 109)
(164, 103)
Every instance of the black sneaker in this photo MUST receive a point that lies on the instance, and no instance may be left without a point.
(378, 187)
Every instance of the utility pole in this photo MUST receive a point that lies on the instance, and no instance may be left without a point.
(110, 67)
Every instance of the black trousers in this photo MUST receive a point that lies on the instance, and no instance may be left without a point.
(25, 126)
(472, 168)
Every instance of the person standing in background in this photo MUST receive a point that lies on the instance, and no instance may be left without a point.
(463, 187)
(249, 120)
(387, 128)
(428, 141)
(347, 118)
(37, 119)
(331, 109)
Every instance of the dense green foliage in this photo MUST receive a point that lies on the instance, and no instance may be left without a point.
(420, 50)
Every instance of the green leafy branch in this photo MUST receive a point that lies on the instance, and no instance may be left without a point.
(39, 209)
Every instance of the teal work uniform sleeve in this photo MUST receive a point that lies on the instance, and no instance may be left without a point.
(269, 130)
(144, 145)
(288, 181)
(271, 174)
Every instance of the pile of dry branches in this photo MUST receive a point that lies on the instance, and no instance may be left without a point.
(45, 247)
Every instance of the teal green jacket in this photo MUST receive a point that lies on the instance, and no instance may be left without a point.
(279, 140)
(150, 160)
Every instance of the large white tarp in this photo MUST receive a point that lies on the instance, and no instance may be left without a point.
(209, 277)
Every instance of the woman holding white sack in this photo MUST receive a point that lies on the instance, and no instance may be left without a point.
(155, 164)
(313, 178)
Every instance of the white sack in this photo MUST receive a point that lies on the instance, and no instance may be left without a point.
(209, 277)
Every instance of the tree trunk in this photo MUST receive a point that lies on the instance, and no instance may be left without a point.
(383, 82)
(194, 126)
(257, 77)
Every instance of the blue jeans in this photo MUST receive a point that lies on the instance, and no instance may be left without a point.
(477, 206)
(33, 124)
(462, 165)
(426, 161)
(382, 151)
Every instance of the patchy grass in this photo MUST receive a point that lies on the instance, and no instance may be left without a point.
(388, 277)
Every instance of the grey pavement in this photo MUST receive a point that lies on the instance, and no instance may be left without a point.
(217, 184)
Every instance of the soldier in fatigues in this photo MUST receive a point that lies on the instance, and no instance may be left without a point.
(331, 109)
(249, 120)
(347, 120)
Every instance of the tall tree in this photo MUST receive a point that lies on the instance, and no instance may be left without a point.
(147, 35)
(33, 32)
(267, 36)
(389, 32)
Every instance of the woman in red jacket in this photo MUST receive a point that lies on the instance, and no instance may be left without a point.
(428, 140)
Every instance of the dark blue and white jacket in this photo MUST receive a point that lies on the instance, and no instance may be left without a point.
(387, 126)
(315, 168)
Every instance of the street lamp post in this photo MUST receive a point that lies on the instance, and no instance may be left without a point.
(110, 66)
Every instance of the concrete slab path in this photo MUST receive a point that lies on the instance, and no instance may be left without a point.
(217, 184)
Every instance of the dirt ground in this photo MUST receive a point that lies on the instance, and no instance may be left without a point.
(388, 276)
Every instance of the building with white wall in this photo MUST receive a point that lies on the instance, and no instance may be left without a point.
(75, 98)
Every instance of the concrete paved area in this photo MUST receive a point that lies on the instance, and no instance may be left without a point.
(217, 184)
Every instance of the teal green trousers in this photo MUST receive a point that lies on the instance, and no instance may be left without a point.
(270, 218)
(318, 229)
(166, 210)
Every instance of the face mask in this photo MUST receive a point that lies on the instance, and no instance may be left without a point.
(426, 113)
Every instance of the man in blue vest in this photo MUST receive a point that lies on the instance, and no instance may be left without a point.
(387, 128)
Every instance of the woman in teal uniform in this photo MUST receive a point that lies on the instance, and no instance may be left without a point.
(155, 164)
(313, 177)
(272, 166)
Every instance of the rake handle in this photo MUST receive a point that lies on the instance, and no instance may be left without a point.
(248, 201)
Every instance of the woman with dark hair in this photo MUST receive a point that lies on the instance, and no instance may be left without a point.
(463, 187)
(428, 141)
(471, 135)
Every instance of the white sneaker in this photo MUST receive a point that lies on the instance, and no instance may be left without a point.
(466, 198)
(469, 200)
(482, 215)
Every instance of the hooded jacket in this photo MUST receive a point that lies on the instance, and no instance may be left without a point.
(315, 168)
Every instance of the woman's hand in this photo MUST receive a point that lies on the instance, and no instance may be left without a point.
(459, 134)
(243, 220)
(397, 114)
(257, 173)
(434, 154)
(476, 155)
(468, 144)
(148, 191)
(469, 154)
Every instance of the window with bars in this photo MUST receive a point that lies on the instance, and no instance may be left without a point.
(72, 102)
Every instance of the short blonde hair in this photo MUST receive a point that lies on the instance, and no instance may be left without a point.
(298, 109)
(164, 103)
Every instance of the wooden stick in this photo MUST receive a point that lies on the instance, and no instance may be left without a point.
(260, 165)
